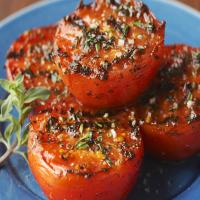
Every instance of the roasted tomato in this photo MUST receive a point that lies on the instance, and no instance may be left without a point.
(78, 156)
(170, 113)
(30, 56)
(108, 52)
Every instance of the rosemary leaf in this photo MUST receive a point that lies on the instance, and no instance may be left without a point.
(36, 93)
(19, 100)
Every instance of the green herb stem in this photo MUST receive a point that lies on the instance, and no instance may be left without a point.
(20, 100)
(8, 152)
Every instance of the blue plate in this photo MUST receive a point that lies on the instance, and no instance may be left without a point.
(158, 180)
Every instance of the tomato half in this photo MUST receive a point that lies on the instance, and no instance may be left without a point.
(107, 53)
(30, 55)
(170, 112)
(78, 156)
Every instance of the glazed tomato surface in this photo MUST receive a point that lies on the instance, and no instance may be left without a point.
(74, 155)
(108, 52)
(30, 56)
(170, 113)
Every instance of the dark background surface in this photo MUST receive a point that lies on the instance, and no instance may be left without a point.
(7, 7)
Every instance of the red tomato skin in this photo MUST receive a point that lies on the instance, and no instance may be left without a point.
(160, 141)
(112, 185)
(117, 91)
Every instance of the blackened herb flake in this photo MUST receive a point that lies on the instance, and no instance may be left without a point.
(15, 54)
(123, 28)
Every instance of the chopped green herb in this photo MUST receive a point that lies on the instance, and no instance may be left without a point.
(109, 161)
(130, 54)
(149, 26)
(189, 96)
(196, 57)
(120, 26)
(85, 141)
(105, 169)
(97, 47)
(98, 124)
(51, 123)
(126, 10)
(138, 24)
(93, 38)
(81, 128)
(99, 138)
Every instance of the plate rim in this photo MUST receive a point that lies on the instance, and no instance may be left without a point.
(43, 3)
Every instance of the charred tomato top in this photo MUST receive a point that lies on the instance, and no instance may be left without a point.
(30, 55)
(175, 96)
(74, 142)
(107, 41)
(170, 112)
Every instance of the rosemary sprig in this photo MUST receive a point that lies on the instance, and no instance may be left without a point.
(18, 100)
